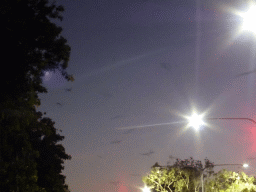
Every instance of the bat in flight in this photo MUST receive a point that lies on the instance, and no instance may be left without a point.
(103, 94)
(69, 89)
(172, 157)
(136, 175)
(165, 66)
(148, 154)
(251, 158)
(116, 117)
(246, 73)
(128, 131)
(115, 142)
(59, 104)
(114, 182)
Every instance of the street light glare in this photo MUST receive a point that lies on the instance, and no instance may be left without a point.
(145, 189)
(195, 121)
(245, 165)
(249, 19)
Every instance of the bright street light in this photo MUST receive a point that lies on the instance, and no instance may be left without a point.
(145, 189)
(196, 121)
(249, 19)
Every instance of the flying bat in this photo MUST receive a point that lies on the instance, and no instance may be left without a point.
(99, 156)
(59, 104)
(69, 89)
(115, 182)
(115, 142)
(165, 66)
(136, 175)
(103, 94)
(172, 157)
(246, 73)
(116, 117)
(129, 131)
(147, 154)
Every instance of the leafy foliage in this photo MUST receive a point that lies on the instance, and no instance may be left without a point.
(229, 181)
(28, 161)
(44, 139)
(174, 179)
(18, 169)
(32, 44)
(183, 175)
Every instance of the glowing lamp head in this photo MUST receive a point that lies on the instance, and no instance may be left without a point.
(245, 165)
(195, 121)
(145, 189)
(249, 19)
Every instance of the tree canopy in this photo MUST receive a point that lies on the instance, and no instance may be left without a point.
(30, 158)
(229, 181)
(18, 169)
(185, 176)
(44, 138)
(32, 44)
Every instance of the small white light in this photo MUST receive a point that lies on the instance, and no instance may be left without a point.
(146, 189)
(245, 165)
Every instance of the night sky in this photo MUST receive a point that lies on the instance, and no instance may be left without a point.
(139, 63)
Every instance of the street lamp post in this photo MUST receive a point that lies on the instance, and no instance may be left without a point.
(231, 118)
(202, 180)
(196, 121)
(244, 165)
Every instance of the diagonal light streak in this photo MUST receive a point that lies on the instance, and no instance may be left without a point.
(152, 125)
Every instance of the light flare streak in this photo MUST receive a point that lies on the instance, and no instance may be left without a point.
(152, 125)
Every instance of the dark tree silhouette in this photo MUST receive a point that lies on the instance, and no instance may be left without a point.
(52, 155)
(32, 44)
(18, 168)
(30, 158)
